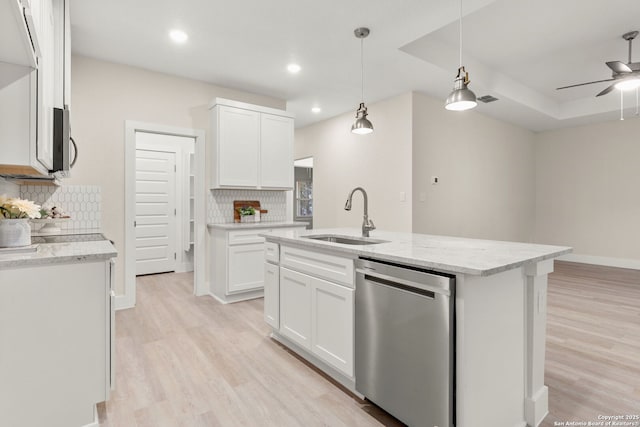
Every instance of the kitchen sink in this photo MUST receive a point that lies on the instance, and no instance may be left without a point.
(345, 240)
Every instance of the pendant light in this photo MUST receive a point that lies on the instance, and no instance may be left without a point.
(461, 98)
(362, 125)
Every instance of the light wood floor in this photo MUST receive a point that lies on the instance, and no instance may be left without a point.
(187, 361)
(593, 343)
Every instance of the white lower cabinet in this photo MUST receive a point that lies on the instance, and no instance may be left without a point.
(295, 307)
(237, 260)
(245, 267)
(272, 295)
(332, 328)
(318, 316)
(56, 330)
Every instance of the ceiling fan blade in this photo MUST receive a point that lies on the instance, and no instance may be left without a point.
(582, 84)
(619, 67)
(607, 90)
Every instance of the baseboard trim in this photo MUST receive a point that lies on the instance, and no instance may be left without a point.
(536, 407)
(123, 303)
(600, 260)
(96, 421)
(245, 296)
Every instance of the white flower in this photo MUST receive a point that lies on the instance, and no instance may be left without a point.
(19, 208)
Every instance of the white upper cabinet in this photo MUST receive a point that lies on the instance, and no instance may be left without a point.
(19, 50)
(27, 101)
(238, 142)
(276, 151)
(252, 146)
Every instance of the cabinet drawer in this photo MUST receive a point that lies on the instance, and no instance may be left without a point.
(336, 269)
(271, 252)
(246, 236)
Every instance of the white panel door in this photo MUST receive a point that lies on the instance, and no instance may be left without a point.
(239, 138)
(295, 310)
(276, 151)
(155, 212)
(332, 325)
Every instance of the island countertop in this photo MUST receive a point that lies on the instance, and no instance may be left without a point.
(257, 225)
(58, 253)
(441, 253)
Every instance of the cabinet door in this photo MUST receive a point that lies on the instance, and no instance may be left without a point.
(238, 142)
(46, 78)
(272, 295)
(332, 325)
(295, 313)
(246, 267)
(276, 151)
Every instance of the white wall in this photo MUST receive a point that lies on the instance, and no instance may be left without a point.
(380, 162)
(485, 169)
(106, 94)
(588, 190)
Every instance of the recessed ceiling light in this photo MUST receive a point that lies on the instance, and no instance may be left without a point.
(316, 110)
(294, 68)
(178, 36)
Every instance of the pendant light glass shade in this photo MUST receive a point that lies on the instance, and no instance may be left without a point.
(362, 125)
(461, 98)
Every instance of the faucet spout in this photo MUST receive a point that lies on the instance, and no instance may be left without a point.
(367, 224)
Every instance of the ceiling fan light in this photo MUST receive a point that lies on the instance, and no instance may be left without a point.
(628, 84)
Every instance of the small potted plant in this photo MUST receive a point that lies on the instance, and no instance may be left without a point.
(14, 221)
(247, 214)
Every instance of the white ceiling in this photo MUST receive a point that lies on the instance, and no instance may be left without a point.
(515, 50)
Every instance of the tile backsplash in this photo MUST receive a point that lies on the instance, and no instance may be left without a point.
(81, 202)
(220, 204)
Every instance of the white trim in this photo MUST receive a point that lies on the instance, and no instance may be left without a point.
(241, 296)
(96, 421)
(251, 107)
(600, 260)
(128, 300)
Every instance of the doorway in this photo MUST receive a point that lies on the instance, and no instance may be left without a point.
(303, 191)
(165, 208)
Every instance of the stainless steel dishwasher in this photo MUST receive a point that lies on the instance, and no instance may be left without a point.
(404, 341)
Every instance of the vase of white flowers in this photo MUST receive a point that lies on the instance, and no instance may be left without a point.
(14, 221)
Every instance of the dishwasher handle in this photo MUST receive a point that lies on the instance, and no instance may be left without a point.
(400, 286)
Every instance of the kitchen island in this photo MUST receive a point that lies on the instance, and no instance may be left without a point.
(499, 311)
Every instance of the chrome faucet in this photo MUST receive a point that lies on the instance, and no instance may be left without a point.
(367, 224)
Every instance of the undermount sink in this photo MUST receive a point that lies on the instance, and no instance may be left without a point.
(345, 240)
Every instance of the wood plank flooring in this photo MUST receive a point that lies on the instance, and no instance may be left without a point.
(187, 361)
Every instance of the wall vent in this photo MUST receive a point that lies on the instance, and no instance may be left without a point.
(487, 98)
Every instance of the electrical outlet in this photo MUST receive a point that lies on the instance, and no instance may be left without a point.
(435, 180)
(422, 197)
(403, 196)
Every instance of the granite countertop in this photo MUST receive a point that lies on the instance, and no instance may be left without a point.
(58, 253)
(440, 253)
(262, 224)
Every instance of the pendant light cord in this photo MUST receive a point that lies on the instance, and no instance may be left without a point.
(362, 70)
(460, 33)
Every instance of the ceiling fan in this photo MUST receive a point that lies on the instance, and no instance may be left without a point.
(626, 76)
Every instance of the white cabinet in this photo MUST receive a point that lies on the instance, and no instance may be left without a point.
(27, 100)
(318, 316)
(332, 327)
(57, 343)
(272, 295)
(19, 49)
(295, 307)
(245, 267)
(237, 267)
(276, 151)
(252, 146)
